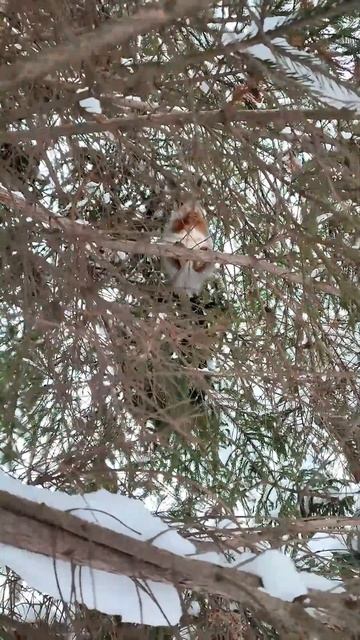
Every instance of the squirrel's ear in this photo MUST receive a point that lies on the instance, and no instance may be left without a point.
(171, 182)
(199, 182)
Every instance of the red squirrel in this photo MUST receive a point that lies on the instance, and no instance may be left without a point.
(187, 227)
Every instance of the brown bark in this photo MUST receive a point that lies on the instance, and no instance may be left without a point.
(181, 118)
(157, 249)
(42, 529)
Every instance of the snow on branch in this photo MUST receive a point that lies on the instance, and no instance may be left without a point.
(303, 67)
(108, 552)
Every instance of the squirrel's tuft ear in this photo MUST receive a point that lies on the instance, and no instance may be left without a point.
(172, 183)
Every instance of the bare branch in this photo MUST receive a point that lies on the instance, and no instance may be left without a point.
(181, 118)
(158, 249)
(109, 34)
(42, 529)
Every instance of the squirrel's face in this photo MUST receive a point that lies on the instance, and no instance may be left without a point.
(186, 205)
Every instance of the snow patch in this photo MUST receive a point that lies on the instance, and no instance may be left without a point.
(194, 609)
(112, 594)
(325, 545)
(91, 105)
(278, 573)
